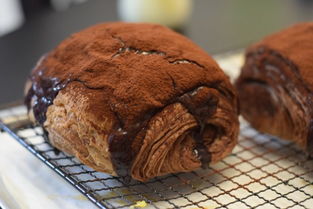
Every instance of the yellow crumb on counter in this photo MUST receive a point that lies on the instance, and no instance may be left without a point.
(139, 204)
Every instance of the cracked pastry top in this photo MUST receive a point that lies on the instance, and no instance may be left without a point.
(134, 99)
(276, 82)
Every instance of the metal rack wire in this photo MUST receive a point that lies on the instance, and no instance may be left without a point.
(262, 172)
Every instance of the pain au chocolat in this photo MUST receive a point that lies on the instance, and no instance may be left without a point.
(276, 82)
(134, 99)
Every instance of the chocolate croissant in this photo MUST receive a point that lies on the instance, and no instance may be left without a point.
(275, 85)
(134, 99)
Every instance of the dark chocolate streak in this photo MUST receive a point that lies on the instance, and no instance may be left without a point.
(309, 148)
(45, 89)
(122, 158)
(201, 114)
(287, 84)
(292, 66)
(310, 139)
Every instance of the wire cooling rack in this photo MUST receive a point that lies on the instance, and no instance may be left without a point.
(262, 172)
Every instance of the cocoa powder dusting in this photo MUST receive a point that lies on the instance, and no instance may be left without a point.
(139, 69)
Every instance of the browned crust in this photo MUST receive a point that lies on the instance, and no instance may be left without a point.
(119, 74)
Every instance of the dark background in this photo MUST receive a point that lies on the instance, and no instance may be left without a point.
(217, 26)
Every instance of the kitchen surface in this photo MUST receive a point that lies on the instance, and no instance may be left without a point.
(263, 171)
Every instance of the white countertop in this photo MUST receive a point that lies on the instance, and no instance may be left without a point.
(27, 183)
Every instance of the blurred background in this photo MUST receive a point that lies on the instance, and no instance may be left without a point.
(29, 28)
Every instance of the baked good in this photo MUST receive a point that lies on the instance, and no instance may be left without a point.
(276, 82)
(134, 99)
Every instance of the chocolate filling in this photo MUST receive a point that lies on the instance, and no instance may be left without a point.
(44, 90)
(201, 112)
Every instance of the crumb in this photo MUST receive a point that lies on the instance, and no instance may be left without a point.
(139, 204)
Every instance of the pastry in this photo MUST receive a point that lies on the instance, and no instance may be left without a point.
(275, 85)
(134, 100)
